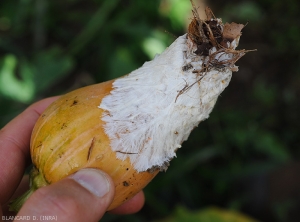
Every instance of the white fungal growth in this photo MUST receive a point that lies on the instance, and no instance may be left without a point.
(151, 111)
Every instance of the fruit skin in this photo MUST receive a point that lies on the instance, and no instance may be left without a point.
(70, 136)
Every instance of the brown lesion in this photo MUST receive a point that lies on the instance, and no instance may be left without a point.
(161, 168)
(129, 153)
(75, 102)
(40, 143)
(91, 148)
(64, 125)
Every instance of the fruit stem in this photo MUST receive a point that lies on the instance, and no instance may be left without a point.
(37, 180)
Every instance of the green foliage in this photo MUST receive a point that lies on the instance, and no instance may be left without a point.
(10, 86)
(46, 68)
(211, 214)
(51, 47)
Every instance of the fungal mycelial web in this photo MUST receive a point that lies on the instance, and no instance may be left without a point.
(151, 111)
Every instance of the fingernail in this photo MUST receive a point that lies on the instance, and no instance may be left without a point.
(93, 180)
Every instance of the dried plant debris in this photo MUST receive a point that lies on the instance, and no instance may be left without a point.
(214, 41)
(211, 45)
(231, 32)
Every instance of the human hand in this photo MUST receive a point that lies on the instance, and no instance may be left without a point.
(75, 198)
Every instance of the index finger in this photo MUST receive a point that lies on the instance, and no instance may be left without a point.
(14, 147)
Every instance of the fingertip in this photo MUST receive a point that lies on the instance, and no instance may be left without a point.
(131, 206)
(84, 196)
(95, 181)
(14, 138)
(41, 105)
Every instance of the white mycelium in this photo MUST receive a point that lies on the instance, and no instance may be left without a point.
(151, 111)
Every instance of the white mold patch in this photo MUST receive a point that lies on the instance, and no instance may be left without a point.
(151, 111)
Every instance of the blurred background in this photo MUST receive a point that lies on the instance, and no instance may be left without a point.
(241, 163)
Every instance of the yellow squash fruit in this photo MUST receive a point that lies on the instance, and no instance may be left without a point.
(132, 126)
(61, 146)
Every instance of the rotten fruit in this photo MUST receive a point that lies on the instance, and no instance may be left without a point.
(132, 126)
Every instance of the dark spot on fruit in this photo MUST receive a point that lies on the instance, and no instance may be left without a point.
(64, 125)
(39, 145)
(75, 102)
(91, 148)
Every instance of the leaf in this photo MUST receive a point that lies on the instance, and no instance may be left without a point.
(46, 68)
(50, 66)
(178, 11)
(20, 89)
(121, 63)
(94, 25)
(270, 145)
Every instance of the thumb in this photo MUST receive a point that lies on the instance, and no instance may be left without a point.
(83, 196)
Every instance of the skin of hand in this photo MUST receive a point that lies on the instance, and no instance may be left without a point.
(83, 196)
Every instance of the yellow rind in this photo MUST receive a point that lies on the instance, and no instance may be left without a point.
(70, 136)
